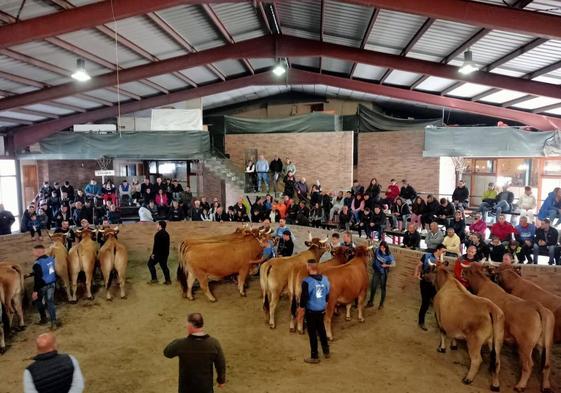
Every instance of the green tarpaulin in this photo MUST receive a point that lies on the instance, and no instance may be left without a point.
(375, 120)
(130, 145)
(312, 122)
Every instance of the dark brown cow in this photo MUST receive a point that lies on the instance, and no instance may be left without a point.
(528, 324)
(463, 316)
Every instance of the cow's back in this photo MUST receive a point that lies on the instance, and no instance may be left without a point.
(347, 281)
(527, 290)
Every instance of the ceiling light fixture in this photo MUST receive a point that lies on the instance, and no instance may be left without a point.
(81, 75)
(280, 69)
(469, 65)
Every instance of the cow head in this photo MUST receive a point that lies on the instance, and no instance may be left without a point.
(364, 251)
(508, 276)
(57, 237)
(85, 233)
(109, 232)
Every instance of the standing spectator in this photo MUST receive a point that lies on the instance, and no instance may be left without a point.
(276, 171)
(407, 192)
(381, 264)
(303, 214)
(527, 204)
(546, 242)
(68, 189)
(92, 190)
(289, 184)
(503, 229)
(431, 212)
(262, 169)
(290, 167)
(478, 225)
(325, 202)
(551, 206)
(525, 234)
(425, 266)
(52, 371)
(125, 192)
(434, 237)
(302, 189)
(160, 253)
(316, 216)
(286, 245)
(313, 302)
(6, 221)
(187, 201)
(198, 353)
(452, 243)
(392, 192)
(357, 188)
(411, 238)
(373, 190)
(44, 286)
(459, 225)
(56, 188)
(418, 208)
(250, 181)
(315, 195)
(337, 203)
(460, 196)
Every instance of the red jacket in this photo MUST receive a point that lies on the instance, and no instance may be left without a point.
(459, 267)
(392, 192)
(503, 231)
(479, 226)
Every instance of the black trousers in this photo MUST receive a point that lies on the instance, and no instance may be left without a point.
(526, 253)
(163, 261)
(427, 293)
(314, 322)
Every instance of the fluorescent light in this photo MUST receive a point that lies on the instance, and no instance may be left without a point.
(279, 69)
(469, 65)
(81, 75)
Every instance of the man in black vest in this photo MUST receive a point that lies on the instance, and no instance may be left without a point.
(160, 253)
(52, 371)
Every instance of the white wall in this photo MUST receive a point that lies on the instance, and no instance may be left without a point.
(447, 177)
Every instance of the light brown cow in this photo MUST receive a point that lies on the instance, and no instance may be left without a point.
(11, 296)
(297, 276)
(217, 260)
(463, 316)
(528, 324)
(525, 289)
(81, 257)
(347, 283)
(113, 257)
(58, 251)
(275, 276)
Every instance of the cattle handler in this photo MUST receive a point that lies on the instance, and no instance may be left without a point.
(160, 253)
(44, 286)
(313, 302)
(426, 265)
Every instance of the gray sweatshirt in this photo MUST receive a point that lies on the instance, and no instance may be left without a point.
(434, 239)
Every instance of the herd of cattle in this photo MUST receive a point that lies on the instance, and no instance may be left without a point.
(514, 311)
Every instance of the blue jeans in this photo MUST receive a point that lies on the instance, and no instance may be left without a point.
(262, 176)
(545, 250)
(554, 214)
(502, 207)
(46, 295)
(378, 280)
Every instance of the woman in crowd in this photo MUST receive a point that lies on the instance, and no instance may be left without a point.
(381, 264)
(478, 225)
(400, 214)
(459, 225)
(373, 190)
(337, 203)
(250, 179)
(418, 208)
(431, 211)
(345, 217)
(290, 167)
(109, 192)
(135, 192)
(289, 184)
(162, 203)
(315, 196)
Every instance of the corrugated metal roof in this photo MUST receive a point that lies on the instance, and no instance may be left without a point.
(306, 61)
(537, 102)
(556, 111)
(49, 109)
(365, 71)
(502, 96)
(543, 55)
(19, 68)
(301, 19)
(240, 95)
(435, 84)
(345, 24)
(108, 95)
(78, 102)
(9, 85)
(402, 78)
(545, 6)
(200, 75)
(168, 81)
(240, 19)
(336, 65)
(21, 116)
(261, 63)
(192, 23)
(553, 78)
(394, 29)
(139, 89)
(230, 67)
(31, 9)
(468, 90)
(443, 37)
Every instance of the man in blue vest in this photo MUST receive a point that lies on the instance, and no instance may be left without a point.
(268, 252)
(52, 371)
(313, 302)
(426, 265)
(44, 285)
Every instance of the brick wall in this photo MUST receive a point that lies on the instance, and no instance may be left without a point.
(399, 155)
(212, 186)
(326, 156)
(77, 172)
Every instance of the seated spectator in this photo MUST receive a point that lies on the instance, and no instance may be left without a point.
(160, 185)
(231, 214)
(162, 203)
(54, 202)
(197, 211)
(392, 192)
(357, 206)
(513, 248)
(364, 223)
(445, 212)
(337, 204)
(153, 209)
(79, 213)
(205, 204)
(377, 223)
(412, 238)
(482, 250)
(316, 215)
(496, 249)
(434, 237)
(503, 229)
(505, 200)
(285, 247)
(135, 192)
(147, 196)
(315, 195)
(145, 214)
(292, 212)
(206, 216)
(34, 227)
(465, 262)
(44, 217)
(431, 212)
(92, 190)
(357, 188)
(348, 199)
(546, 242)
(551, 207)
(289, 184)
(241, 216)
(114, 215)
(478, 225)
(374, 190)
(335, 242)
(220, 215)
(303, 214)
(345, 217)
(459, 225)
(68, 190)
(488, 200)
(258, 212)
(80, 196)
(460, 196)
(176, 190)
(65, 229)
(400, 214)
(45, 191)
(268, 204)
(302, 190)
(280, 209)
(418, 208)
(125, 192)
(407, 192)
(525, 234)
(527, 204)
(367, 202)
(452, 243)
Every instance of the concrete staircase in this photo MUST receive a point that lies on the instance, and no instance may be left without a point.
(226, 170)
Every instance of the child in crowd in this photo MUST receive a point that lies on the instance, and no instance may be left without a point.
(496, 249)
(34, 227)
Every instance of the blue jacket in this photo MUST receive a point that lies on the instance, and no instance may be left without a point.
(261, 166)
(381, 259)
(33, 223)
(527, 233)
(318, 292)
(92, 189)
(547, 205)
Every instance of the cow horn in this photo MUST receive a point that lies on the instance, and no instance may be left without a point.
(116, 229)
(78, 231)
(324, 240)
(309, 236)
(370, 247)
(50, 235)
(99, 230)
(269, 231)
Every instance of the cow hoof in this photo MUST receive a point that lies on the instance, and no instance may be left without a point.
(347, 319)
(190, 298)
(2, 350)
(454, 347)
(330, 338)
(213, 300)
(547, 390)
(90, 298)
(20, 328)
(361, 320)
(441, 350)
(73, 301)
(292, 330)
(466, 381)
(518, 389)
(300, 332)
(272, 327)
(124, 297)
(243, 294)
(495, 388)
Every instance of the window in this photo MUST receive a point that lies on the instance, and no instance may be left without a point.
(552, 168)
(8, 189)
(484, 166)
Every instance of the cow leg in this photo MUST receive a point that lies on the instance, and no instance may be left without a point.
(474, 350)
(19, 310)
(442, 346)
(242, 277)
(89, 271)
(360, 306)
(273, 306)
(328, 317)
(525, 354)
(495, 383)
(546, 370)
(75, 273)
(453, 345)
(106, 268)
(348, 311)
(203, 280)
(190, 282)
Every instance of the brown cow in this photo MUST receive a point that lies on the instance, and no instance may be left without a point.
(275, 274)
(463, 316)
(299, 273)
(113, 257)
(219, 260)
(528, 324)
(58, 251)
(348, 282)
(81, 257)
(11, 295)
(525, 289)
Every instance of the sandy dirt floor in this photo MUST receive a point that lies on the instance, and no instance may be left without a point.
(119, 344)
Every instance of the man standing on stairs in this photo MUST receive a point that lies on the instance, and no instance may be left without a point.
(276, 170)
(262, 169)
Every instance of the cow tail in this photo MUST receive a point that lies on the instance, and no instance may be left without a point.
(497, 322)
(548, 327)
(264, 271)
(181, 274)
